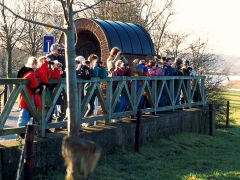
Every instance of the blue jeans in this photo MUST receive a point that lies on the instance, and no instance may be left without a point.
(24, 117)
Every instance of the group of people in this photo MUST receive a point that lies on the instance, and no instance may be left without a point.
(118, 65)
(53, 66)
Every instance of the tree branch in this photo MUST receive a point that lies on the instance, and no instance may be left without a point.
(88, 7)
(34, 22)
(63, 3)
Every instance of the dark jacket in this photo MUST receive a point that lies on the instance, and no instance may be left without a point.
(60, 59)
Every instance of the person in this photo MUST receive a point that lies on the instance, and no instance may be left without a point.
(33, 88)
(55, 54)
(115, 55)
(58, 113)
(80, 60)
(137, 67)
(55, 71)
(154, 70)
(96, 69)
(187, 70)
(149, 59)
(121, 69)
(178, 71)
(167, 67)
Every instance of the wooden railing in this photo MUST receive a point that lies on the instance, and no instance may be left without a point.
(153, 87)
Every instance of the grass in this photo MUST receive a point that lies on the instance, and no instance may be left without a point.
(185, 156)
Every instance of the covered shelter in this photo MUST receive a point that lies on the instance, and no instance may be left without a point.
(100, 36)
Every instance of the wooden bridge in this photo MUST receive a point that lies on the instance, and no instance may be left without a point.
(152, 86)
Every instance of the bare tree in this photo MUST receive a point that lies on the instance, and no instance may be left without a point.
(67, 13)
(173, 44)
(11, 29)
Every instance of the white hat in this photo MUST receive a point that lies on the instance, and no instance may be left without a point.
(80, 58)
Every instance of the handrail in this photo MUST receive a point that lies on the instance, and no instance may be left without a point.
(154, 87)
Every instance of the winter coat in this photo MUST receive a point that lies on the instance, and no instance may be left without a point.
(26, 72)
(111, 63)
(60, 59)
(120, 71)
(95, 71)
(155, 72)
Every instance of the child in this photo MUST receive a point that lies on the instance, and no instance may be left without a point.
(120, 70)
(33, 88)
(153, 70)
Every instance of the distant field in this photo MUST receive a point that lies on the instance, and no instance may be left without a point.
(233, 84)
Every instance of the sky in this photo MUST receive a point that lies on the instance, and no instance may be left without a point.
(219, 20)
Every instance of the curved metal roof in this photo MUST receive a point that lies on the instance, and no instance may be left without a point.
(130, 38)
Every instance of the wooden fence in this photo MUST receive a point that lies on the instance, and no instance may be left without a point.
(153, 87)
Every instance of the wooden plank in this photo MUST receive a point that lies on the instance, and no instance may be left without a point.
(127, 96)
(101, 99)
(9, 104)
(109, 94)
(149, 94)
(134, 92)
(117, 93)
(140, 92)
(43, 120)
(87, 98)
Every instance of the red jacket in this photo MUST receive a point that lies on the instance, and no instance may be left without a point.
(49, 73)
(54, 73)
(28, 73)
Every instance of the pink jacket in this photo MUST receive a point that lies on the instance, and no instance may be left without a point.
(155, 72)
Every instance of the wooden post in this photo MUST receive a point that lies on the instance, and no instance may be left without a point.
(138, 130)
(227, 115)
(28, 153)
(80, 156)
(211, 120)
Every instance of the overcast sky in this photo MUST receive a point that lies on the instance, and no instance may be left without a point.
(220, 19)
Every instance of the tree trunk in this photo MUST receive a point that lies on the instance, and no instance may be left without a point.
(71, 80)
(80, 157)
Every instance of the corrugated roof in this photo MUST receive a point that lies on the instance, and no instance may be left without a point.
(130, 38)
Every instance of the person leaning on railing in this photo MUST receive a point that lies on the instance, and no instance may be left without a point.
(33, 88)
(178, 71)
(122, 69)
(187, 71)
(138, 71)
(97, 69)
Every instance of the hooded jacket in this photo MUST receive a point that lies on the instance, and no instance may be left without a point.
(26, 72)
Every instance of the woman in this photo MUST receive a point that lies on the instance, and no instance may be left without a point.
(115, 55)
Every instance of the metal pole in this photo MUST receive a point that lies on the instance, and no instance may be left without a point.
(28, 154)
(210, 119)
(227, 115)
(138, 130)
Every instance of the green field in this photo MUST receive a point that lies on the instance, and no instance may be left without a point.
(185, 156)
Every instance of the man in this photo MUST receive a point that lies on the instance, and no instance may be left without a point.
(56, 54)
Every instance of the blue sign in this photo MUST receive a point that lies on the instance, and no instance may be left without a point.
(47, 42)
